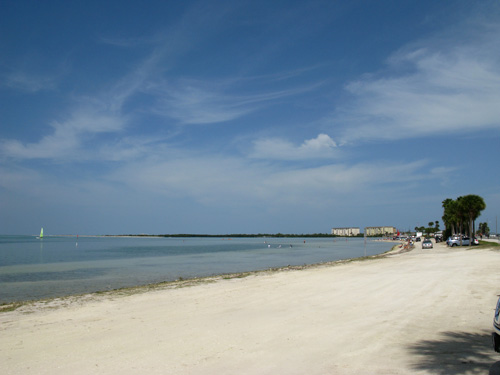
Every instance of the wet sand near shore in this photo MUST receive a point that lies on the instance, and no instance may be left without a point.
(417, 312)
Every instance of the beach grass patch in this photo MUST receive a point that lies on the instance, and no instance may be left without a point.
(6, 307)
(484, 244)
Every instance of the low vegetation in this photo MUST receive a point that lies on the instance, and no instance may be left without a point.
(483, 244)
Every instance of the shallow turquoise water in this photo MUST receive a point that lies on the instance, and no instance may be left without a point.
(58, 266)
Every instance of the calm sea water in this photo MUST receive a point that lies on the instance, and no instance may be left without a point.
(59, 266)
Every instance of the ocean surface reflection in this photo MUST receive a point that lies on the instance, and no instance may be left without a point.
(57, 266)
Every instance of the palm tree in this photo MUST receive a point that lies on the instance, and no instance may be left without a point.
(429, 228)
(461, 213)
(456, 212)
(450, 217)
(484, 229)
(471, 206)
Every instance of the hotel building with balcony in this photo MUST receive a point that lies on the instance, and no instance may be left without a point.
(346, 232)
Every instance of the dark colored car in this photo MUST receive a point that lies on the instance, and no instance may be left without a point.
(496, 329)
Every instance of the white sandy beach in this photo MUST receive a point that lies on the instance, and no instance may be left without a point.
(422, 312)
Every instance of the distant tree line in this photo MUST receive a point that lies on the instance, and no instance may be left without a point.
(460, 214)
(432, 227)
(235, 235)
(484, 229)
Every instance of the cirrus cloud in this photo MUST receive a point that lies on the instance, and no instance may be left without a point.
(427, 90)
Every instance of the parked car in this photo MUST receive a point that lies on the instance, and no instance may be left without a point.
(455, 241)
(426, 244)
(496, 329)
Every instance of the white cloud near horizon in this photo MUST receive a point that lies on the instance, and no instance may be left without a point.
(187, 188)
(427, 89)
(212, 180)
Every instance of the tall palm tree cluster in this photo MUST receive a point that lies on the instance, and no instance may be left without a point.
(460, 214)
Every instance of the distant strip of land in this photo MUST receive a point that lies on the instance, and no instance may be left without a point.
(185, 235)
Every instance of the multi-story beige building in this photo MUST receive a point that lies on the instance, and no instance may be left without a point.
(377, 231)
(347, 232)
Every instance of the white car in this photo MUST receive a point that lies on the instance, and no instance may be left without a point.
(426, 244)
(455, 241)
(496, 329)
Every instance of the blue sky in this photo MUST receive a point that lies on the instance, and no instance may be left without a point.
(245, 116)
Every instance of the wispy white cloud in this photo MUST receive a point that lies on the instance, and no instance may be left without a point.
(88, 116)
(188, 101)
(196, 24)
(321, 147)
(430, 88)
(191, 104)
(135, 148)
(65, 139)
(203, 102)
(30, 83)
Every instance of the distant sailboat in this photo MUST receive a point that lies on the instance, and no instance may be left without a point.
(41, 234)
